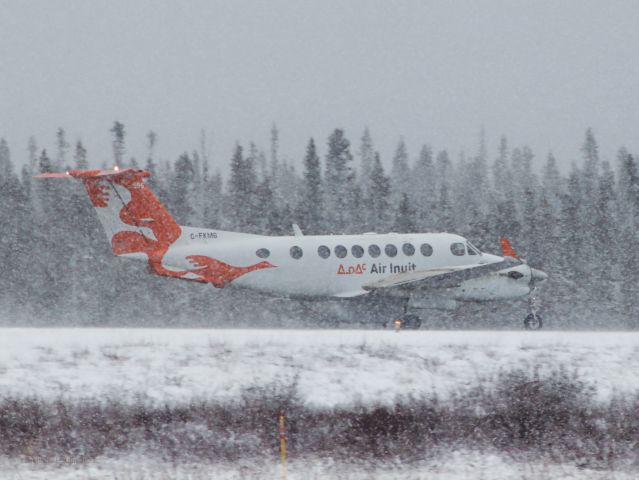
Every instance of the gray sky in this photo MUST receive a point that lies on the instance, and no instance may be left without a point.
(431, 71)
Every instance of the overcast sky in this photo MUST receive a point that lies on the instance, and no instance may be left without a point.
(430, 71)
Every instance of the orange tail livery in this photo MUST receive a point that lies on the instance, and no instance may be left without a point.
(138, 226)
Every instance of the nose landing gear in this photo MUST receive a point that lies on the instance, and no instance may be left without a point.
(533, 320)
(408, 321)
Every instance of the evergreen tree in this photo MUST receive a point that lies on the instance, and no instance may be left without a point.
(62, 150)
(80, 156)
(605, 237)
(118, 142)
(197, 192)
(423, 189)
(339, 182)
(6, 167)
(551, 179)
(9, 189)
(151, 166)
(377, 205)
(571, 239)
(311, 205)
(267, 214)
(589, 187)
(241, 191)
(627, 225)
(32, 149)
(628, 191)
(405, 217)
(181, 189)
(444, 208)
(275, 145)
(213, 200)
(152, 139)
(479, 171)
(503, 178)
(400, 172)
(367, 157)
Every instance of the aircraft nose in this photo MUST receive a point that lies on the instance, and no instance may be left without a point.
(538, 275)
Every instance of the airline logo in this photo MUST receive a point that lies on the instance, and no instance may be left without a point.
(361, 268)
(358, 269)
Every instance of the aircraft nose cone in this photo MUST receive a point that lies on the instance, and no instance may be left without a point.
(538, 275)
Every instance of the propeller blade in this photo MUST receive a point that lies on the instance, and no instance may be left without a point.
(507, 249)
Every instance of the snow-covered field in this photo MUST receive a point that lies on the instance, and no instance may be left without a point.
(331, 367)
(457, 465)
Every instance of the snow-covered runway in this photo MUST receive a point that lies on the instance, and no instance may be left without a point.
(330, 367)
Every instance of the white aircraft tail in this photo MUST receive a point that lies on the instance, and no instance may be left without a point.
(138, 226)
(133, 218)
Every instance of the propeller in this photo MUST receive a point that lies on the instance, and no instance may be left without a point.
(507, 250)
(536, 276)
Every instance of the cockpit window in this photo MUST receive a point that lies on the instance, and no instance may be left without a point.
(472, 249)
(458, 249)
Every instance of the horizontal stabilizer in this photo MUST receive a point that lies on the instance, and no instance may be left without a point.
(116, 172)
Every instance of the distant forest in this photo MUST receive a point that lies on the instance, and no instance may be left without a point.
(581, 228)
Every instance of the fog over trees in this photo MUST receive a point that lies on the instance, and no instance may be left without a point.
(579, 227)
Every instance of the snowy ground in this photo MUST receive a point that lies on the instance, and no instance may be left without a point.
(330, 367)
(458, 465)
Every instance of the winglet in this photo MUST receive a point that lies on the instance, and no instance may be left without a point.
(507, 249)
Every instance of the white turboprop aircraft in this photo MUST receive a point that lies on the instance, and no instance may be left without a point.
(426, 270)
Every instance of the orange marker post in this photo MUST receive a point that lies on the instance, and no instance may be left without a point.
(282, 447)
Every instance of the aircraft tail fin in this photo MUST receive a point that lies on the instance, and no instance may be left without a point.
(135, 222)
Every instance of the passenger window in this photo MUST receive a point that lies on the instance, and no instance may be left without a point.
(408, 249)
(458, 249)
(323, 251)
(357, 251)
(374, 251)
(263, 253)
(340, 251)
(296, 252)
(426, 249)
(391, 250)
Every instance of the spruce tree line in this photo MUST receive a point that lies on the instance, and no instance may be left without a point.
(580, 227)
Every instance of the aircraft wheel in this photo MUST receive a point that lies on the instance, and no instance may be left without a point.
(533, 322)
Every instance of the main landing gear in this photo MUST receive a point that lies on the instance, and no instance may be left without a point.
(408, 321)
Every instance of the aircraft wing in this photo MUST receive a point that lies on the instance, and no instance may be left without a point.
(445, 277)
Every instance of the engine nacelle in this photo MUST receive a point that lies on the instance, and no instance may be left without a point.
(508, 283)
